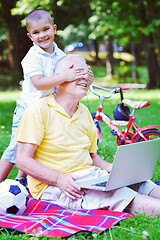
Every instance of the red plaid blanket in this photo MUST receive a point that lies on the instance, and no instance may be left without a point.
(42, 218)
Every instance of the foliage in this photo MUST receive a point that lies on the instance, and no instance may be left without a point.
(27, 6)
(129, 22)
(10, 80)
(80, 20)
(122, 19)
(75, 24)
(73, 34)
(109, 18)
(58, 9)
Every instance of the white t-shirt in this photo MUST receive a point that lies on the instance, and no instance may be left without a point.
(36, 62)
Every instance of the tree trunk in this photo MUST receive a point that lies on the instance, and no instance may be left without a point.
(96, 48)
(13, 35)
(133, 62)
(110, 59)
(146, 14)
(152, 63)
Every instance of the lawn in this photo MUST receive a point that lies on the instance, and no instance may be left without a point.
(140, 227)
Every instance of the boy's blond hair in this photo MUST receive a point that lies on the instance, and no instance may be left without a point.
(36, 15)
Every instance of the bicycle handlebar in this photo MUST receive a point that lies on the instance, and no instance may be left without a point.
(111, 91)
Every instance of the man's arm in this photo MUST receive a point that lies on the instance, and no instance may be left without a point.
(26, 163)
(99, 162)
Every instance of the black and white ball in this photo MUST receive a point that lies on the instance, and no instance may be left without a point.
(13, 197)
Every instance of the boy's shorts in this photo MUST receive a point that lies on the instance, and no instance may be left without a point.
(9, 154)
(115, 200)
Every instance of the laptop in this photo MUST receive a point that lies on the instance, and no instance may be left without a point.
(133, 163)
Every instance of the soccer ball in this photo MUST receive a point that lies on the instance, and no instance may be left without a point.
(13, 197)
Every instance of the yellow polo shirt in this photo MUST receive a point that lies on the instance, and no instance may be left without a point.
(64, 143)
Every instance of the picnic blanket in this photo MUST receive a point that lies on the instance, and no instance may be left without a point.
(43, 218)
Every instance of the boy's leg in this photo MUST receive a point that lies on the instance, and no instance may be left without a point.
(144, 204)
(5, 168)
(21, 174)
(21, 177)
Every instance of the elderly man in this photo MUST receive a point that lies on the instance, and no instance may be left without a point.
(57, 144)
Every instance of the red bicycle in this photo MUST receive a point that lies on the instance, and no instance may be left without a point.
(123, 117)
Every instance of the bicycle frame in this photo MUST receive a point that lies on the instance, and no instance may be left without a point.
(122, 136)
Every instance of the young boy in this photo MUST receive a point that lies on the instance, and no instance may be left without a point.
(39, 77)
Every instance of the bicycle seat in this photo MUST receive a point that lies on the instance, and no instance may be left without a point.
(136, 104)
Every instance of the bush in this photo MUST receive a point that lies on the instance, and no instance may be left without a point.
(124, 72)
(10, 80)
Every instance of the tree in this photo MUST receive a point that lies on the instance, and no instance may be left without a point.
(110, 58)
(148, 13)
(128, 20)
(15, 34)
(118, 21)
(69, 15)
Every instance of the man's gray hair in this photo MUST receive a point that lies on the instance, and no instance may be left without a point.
(62, 62)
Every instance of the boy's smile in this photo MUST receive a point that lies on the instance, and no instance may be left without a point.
(42, 33)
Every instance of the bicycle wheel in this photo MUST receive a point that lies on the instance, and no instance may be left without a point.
(149, 135)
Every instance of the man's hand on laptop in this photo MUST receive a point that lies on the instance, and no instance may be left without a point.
(101, 163)
(109, 166)
(68, 186)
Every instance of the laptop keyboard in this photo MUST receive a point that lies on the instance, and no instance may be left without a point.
(102, 184)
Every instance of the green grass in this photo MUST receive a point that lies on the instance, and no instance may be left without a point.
(140, 227)
(7, 105)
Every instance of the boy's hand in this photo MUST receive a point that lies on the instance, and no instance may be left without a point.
(72, 74)
(90, 75)
(68, 186)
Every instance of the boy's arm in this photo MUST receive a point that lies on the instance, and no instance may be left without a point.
(99, 162)
(44, 83)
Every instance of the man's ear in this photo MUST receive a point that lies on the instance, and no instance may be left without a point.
(54, 28)
(28, 35)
